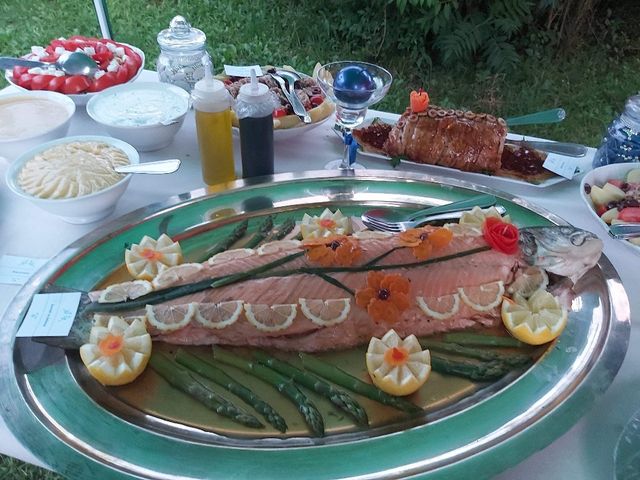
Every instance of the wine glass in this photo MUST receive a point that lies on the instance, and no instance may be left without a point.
(353, 87)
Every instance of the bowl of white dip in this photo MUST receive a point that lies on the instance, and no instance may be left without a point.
(73, 177)
(29, 119)
(145, 114)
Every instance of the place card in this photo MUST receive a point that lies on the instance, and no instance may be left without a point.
(563, 166)
(50, 315)
(237, 71)
(16, 270)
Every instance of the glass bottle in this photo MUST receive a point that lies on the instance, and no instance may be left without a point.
(621, 143)
(181, 50)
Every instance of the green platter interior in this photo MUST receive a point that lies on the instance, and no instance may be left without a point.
(70, 416)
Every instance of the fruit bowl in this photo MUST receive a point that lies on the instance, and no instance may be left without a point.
(595, 201)
(81, 99)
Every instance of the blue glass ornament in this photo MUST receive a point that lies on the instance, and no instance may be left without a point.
(353, 85)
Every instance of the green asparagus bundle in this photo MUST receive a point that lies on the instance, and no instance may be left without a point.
(337, 397)
(264, 230)
(284, 385)
(510, 359)
(340, 377)
(210, 371)
(182, 379)
(225, 243)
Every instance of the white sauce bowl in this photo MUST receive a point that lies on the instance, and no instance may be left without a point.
(12, 148)
(83, 209)
(145, 114)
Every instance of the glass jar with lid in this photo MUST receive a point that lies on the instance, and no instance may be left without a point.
(181, 50)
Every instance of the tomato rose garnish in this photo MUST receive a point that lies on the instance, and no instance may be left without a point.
(500, 235)
(419, 101)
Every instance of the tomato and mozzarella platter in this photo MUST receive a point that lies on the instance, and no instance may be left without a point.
(118, 63)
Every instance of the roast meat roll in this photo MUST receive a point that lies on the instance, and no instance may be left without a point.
(449, 138)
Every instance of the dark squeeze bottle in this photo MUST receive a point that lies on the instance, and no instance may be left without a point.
(254, 109)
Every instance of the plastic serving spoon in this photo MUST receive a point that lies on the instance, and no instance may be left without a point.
(151, 168)
(71, 63)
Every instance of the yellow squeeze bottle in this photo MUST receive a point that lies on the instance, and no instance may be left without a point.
(212, 103)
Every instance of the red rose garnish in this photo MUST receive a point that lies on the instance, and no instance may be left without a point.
(500, 235)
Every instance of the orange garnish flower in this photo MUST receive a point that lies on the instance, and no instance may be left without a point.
(419, 101)
(423, 241)
(385, 297)
(337, 250)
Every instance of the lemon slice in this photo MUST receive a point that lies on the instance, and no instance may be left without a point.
(218, 315)
(477, 216)
(325, 225)
(484, 297)
(168, 318)
(440, 308)
(150, 257)
(228, 255)
(325, 312)
(371, 235)
(118, 352)
(125, 291)
(270, 318)
(528, 281)
(279, 246)
(396, 366)
(536, 320)
(173, 275)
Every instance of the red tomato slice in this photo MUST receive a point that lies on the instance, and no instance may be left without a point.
(616, 183)
(41, 82)
(105, 81)
(24, 80)
(133, 64)
(76, 84)
(49, 58)
(316, 100)
(629, 214)
(122, 75)
(18, 71)
(56, 83)
(279, 112)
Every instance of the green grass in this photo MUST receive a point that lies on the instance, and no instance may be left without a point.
(589, 84)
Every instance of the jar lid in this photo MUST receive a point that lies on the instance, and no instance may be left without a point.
(181, 36)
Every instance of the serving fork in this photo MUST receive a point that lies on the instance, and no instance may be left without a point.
(398, 227)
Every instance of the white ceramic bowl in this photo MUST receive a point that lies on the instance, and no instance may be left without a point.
(83, 209)
(81, 99)
(145, 114)
(599, 177)
(12, 148)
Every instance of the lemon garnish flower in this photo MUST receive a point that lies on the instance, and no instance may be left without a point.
(325, 225)
(118, 352)
(150, 257)
(397, 366)
(536, 320)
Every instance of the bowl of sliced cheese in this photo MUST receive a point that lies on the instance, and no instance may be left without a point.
(73, 177)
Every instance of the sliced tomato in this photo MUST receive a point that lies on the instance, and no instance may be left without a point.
(316, 100)
(18, 71)
(629, 214)
(133, 64)
(24, 80)
(616, 183)
(49, 58)
(56, 83)
(279, 112)
(105, 81)
(601, 209)
(122, 74)
(41, 82)
(76, 84)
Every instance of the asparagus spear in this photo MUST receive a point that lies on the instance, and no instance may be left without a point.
(210, 371)
(226, 242)
(282, 231)
(263, 232)
(477, 371)
(283, 384)
(180, 378)
(512, 359)
(340, 377)
(479, 339)
(306, 379)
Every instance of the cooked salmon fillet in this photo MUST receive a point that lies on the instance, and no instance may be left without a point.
(430, 282)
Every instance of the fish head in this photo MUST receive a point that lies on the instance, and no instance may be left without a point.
(563, 250)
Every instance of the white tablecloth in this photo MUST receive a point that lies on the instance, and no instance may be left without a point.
(584, 452)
